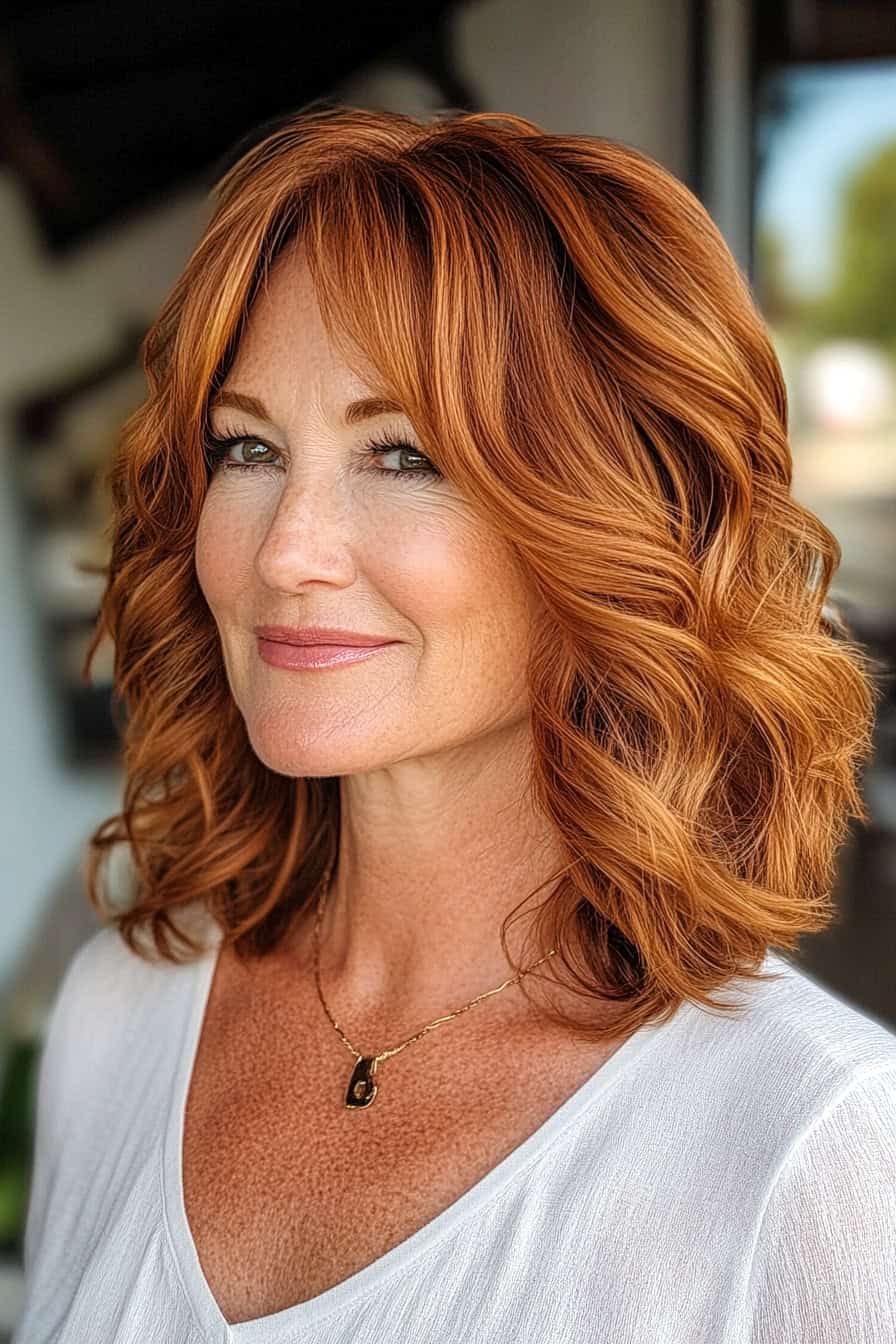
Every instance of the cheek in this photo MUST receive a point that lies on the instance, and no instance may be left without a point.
(223, 550)
(459, 585)
(428, 568)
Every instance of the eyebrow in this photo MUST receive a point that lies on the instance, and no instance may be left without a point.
(365, 409)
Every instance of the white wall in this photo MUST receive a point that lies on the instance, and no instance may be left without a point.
(56, 315)
(597, 67)
(592, 66)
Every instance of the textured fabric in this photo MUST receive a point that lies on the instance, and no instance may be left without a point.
(727, 1179)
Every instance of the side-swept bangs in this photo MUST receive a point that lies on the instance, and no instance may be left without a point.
(579, 352)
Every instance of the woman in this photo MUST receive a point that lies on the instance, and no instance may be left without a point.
(498, 403)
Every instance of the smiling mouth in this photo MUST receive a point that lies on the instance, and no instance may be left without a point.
(318, 635)
(280, 653)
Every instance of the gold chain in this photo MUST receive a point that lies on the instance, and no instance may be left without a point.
(362, 1087)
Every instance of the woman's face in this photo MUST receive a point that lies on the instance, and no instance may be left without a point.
(317, 531)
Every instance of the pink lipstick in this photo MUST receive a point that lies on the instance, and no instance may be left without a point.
(316, 646)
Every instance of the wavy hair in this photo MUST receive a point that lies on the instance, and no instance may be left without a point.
(580, 353)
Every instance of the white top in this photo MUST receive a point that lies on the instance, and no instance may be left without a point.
(720, 1180)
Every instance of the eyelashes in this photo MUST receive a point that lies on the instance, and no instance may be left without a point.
(217, 448)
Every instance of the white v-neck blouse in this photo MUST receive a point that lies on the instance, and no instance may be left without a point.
(719, 1180)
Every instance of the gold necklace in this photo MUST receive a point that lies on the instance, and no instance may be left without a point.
(362, 1086)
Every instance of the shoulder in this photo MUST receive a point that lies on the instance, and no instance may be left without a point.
(104, 964)
(798, 1130)
(822, 1268)
(828, 1041)
(792, 1045)
(746, 1079)
(109, 998)
(104, 975)
(95, 971)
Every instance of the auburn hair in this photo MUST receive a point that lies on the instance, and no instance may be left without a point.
(579, 352)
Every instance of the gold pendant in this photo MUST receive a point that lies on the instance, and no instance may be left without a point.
(362, 1087)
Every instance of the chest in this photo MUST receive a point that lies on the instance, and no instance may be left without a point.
(288, 1192)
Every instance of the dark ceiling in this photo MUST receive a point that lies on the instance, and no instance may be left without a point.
(108, 107)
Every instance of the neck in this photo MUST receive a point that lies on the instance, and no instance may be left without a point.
(411, 924)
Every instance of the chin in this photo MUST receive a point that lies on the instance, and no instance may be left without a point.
(326, 756)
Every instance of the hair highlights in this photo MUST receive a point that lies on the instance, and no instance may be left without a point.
(578, 350)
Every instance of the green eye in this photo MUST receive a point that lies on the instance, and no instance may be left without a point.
(216, 450)
(385, 445)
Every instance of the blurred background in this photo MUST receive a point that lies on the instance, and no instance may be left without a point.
(115, 118)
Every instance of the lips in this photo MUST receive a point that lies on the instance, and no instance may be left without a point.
(281, 653)
(302, 636)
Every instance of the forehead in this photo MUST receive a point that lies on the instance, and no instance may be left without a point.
(284, 323)
(285, 349)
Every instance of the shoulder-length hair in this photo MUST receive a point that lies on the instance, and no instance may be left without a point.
(580, 353)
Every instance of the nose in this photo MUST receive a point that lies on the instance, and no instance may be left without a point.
(307, 541)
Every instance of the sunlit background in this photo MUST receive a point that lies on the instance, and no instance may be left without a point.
(114, 120)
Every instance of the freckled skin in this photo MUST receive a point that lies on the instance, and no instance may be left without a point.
(436, 846)
(430, 738)
(337, 534)
(275, 1167)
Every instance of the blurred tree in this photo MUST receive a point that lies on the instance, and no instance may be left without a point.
(779, 304)
(859, 303)
(17, 1104)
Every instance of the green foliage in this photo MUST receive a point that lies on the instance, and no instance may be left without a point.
(860, 301)
(778, 302)
(17, 1098)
